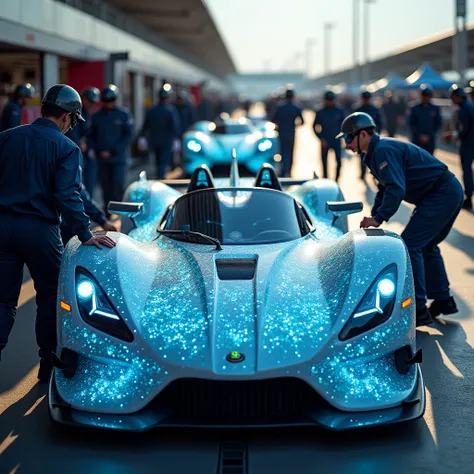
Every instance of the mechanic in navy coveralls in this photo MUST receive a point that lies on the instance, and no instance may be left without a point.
(90, 97)
(465, 133)
(407, 172)
(109, 136)
(39, 182)
(162, 127)
(187, 116)
(326, 125)
(285, 117)
(425, 121)
(11, 115)
(367, 107)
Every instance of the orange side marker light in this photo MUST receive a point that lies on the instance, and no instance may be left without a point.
(407, 302)
(65, 306)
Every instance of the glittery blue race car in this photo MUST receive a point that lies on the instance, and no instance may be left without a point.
(211, 143)
(237, 304)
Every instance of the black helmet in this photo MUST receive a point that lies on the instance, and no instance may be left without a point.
(164, 93)
(355, 123)
(109, 93)
(329, 95)
(66, 98)
(366, 95)
(457, 91)
(92, 94)
(426, 90)
(290, 93)
(24, 91)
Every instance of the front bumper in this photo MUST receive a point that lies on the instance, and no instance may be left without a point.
(322, 414)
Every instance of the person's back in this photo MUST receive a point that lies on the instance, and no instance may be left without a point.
(330, 120)
(161, 124)
(285, 117)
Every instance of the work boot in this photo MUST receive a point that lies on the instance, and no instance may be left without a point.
(423, 317)
(467, 203)
(45, 369)
(443, 307)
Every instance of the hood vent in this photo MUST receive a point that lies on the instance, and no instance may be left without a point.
(236, 268)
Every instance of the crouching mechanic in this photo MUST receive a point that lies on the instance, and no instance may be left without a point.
(407, 172)
(94, 213)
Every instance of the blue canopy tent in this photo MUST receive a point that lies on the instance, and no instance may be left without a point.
(425, 74)
(392, 81)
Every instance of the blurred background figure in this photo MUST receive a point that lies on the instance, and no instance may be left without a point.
(391, 113)
(287, 115)
(327, 124)
(109, 136)
(425, 120)
(187, 117)
(11, 115)
(162, 127)
(90, 98)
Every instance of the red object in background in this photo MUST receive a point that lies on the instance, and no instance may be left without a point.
(86, 74)
(196, 94)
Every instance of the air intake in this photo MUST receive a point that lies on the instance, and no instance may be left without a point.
(236, 268)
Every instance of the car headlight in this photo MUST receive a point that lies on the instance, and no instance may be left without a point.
(264, 145)
(96, 309)
(375, 307)
(195, 146)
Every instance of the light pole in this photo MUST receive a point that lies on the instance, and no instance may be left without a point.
(309, 42)
(460, 49)
(355, 38)
(367, 4)
(327, 46)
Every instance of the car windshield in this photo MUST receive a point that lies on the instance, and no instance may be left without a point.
(239, 216)
(232, 129)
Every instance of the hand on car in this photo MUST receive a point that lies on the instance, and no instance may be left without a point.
(369, 222)
(99, 240)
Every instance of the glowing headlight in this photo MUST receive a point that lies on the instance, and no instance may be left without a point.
(193, 145)
(375, 307)
(264, 145)
(96, 309)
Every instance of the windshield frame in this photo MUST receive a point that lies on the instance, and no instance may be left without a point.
(303, 219)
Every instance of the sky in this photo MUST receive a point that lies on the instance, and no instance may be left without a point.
(272, 35)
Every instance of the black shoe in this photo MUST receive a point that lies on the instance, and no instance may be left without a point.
(423, 317)
(443, 307)
(45, 369)
(467, 203)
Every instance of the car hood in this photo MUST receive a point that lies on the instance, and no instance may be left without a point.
(190, 315)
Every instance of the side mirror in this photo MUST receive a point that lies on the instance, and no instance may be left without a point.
(128, 209)
(344, 208)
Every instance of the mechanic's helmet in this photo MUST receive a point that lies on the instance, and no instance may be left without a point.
(109, 93)
(355, 123)
(366, 95)
(457, 91)
(426, 90)
(92, 94)
(24, 91)
(66, 98)
(164, 94)
(329, 95)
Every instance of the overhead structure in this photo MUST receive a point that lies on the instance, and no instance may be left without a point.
(425, 74)
(187, 25)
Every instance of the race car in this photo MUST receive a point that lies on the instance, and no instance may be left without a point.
(211, 143)
(237, 303)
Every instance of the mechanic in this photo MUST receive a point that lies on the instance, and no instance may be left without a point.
(326, 125)
(285, 117)
(425, 121)
(407, 172)
(11, 116)
(90, 97)
(187, 116)
(39, 181)
(367, 107)
(162, 127)
(109, 136)
(391, 113)
(465, 133)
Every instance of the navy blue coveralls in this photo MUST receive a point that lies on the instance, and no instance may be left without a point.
(285, 117)
(39, 182)
(408, 173)
(111, 130)
(466, 151)
(327, 124)
(187, 117)
(374, 112)
(425, 120)
(161, 126)
(92, 210)
(89, 166)
(11, 116)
